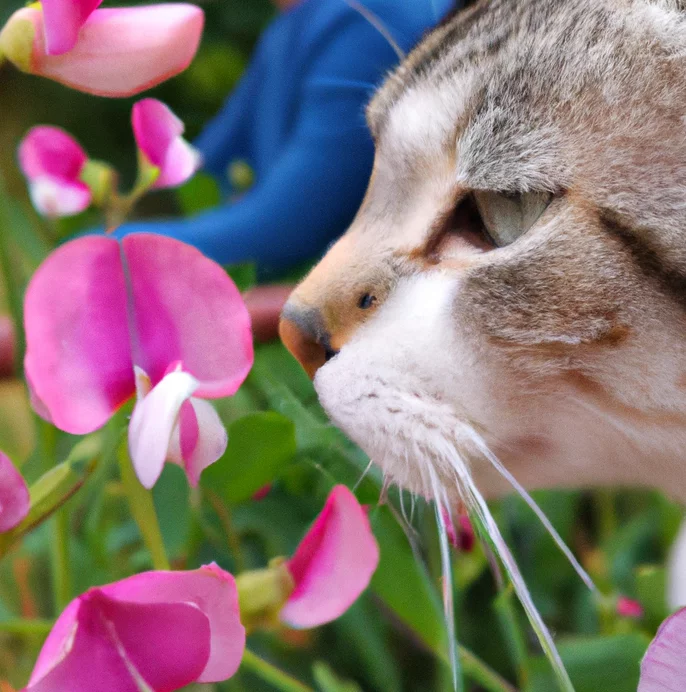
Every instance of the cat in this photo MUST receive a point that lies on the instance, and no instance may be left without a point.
(510, 301)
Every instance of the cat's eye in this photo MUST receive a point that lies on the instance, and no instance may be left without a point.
(508, 216)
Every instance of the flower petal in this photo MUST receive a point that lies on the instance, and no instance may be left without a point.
(78, 356)
(213, 591)
(114, 645)
(188, 310)
(14, 495)
(54, 198)
(63, 20)
(158, 135)
(152, 424)
(663, 668)
(124, 51)
(203, 438)
(50, 151)
(333, 563)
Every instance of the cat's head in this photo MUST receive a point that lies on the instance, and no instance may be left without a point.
(516, 276)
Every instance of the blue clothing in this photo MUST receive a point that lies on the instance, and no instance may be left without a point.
(297, 117)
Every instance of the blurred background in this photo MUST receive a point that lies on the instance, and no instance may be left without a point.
(393, 639)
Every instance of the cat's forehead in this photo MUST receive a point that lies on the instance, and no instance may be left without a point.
(506, 89)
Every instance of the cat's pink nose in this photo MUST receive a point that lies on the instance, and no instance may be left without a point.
(302, 332)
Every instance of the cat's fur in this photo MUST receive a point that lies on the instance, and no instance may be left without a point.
(565, 351)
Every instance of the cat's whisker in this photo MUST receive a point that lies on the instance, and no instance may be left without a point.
(378, 25)
(441, 507)
(478, 508)
(364, 475)
(481, 445)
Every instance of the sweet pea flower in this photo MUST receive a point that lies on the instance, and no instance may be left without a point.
(460, 537)
(333, 564)
(156, 631)
(158, 136)
(148, 315)
(14, 495)
(52, 162)
(63, 20)
(119, 52)
(664, 665)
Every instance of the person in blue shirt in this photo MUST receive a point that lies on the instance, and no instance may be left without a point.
(297, 118)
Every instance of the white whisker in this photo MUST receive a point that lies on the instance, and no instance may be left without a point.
(377, 24)
(363, 476)
(441, 506)
(495, 462)
(478, 509)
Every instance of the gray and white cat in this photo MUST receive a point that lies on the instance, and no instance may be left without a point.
(513, 288)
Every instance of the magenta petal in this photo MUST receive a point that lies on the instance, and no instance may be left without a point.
(188, 310)
(213, 591)
(152, 424)
(158, 135)
(333, 563)
(124, 51)
(78, 356)
(663, 668)
(14, 495)
(50, 151)
(63, 20)
(112, 644)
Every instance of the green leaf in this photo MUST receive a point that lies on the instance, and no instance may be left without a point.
(651, 587)
(328, 681)
(200, 193)
(610, 664)
(260, 446)
(403, 584)
(56, 486)
(170, 495)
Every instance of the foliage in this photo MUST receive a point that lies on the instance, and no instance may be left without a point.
(394, 637)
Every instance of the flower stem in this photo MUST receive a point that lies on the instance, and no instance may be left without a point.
(477, 671)
(24, 628)
(271, 674)
(143, 510)
(59, 526)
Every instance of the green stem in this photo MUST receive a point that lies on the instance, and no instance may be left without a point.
(23, 627)
(224, 516)
(12, 290)
(59, 527)
(271, 674)
(477, 671)
(61, 574)
(511, 631)
(143, 510)
(607, 516)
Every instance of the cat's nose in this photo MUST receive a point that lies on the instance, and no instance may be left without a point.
(304, 335)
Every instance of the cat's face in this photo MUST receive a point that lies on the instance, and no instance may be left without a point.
(516, 276)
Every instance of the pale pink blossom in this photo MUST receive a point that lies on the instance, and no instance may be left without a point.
(157, 630)
(664, 665)
(63, 20)
(52, 162)
(333, 564)
(158, 136)
(14, 495)
(106, 319)
(120, 52)
(460, 537)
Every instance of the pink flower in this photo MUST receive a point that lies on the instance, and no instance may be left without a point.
(664, 665)
(462, 537)
(120, 52)
(158, 135)
(52, 162)
(262, 492)
(151, 315)
(14, 495)
(333, 563)
(628, 608)
(157, 630)
(63, 21)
